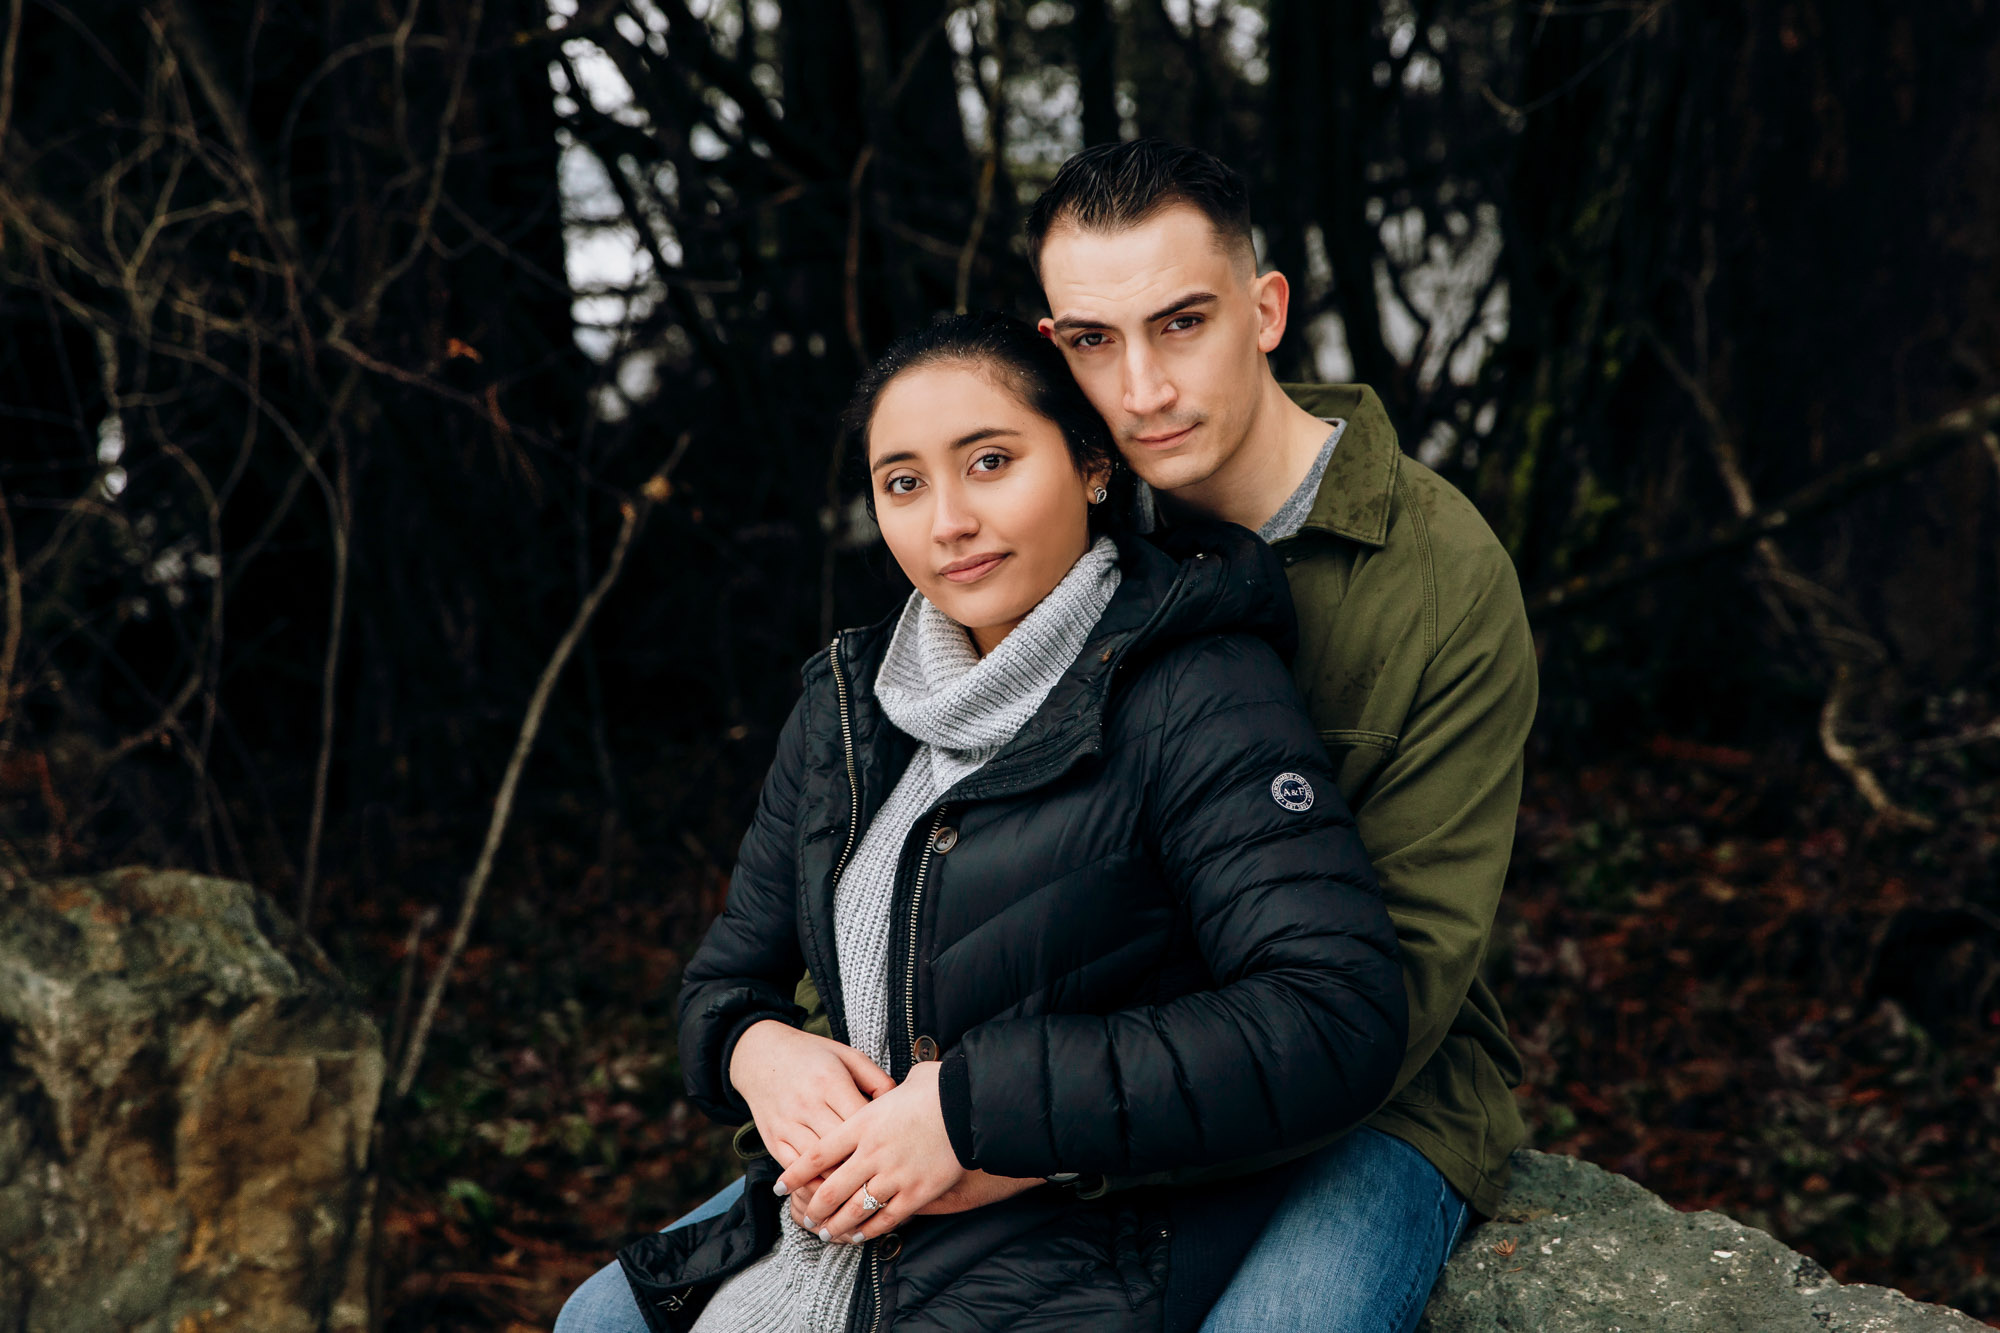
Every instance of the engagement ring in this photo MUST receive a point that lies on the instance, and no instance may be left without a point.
(869, 1203)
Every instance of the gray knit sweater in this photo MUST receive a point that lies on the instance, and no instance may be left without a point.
(935, 686)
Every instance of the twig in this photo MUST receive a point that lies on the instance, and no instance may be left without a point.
(851, 266)
(1958, 740)
(1911, 449)
(10, 584)
(989, 168)
(1844, 757)
(1838, 642)
(8, 55)
(190, 43)
(634, 513)
(406, 980)
(340, 517)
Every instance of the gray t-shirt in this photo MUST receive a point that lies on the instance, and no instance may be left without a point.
(1292, 514)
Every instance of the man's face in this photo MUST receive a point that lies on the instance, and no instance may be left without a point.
(1166, 330)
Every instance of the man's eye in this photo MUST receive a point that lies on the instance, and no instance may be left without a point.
(1182, 322)
(1088, 340)
(988, 462)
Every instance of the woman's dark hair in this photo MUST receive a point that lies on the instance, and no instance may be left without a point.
(1028, 364)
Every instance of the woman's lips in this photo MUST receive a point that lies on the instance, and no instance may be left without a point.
(974, 568)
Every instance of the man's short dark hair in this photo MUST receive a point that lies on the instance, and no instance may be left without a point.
(1117, 185)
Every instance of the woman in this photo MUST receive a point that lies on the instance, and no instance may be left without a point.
(1061, 849)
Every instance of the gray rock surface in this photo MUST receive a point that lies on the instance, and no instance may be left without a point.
(1576, 1249)
(187, 1095)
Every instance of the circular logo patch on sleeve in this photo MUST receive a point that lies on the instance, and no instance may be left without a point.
(1292, 791)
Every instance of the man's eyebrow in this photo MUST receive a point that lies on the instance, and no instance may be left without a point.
(1179, 304)
(1076, 323)
(971, 437)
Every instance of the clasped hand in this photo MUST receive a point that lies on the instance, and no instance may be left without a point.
(837, 1123)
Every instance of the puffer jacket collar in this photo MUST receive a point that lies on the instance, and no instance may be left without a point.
(1193, 579)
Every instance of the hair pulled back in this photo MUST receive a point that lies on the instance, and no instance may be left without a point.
(1029, 366)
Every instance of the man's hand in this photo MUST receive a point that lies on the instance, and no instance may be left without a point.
(896, 1147)
(976, 1189)
(800, 1087)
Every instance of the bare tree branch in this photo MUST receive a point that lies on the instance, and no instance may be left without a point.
(633, 515)
(1909, 450)
(9, 55)
(10, 635)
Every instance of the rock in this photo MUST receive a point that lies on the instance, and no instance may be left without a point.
(187, 1095)
(1576, 1248)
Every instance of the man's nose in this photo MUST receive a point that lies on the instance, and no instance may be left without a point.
(1147, 389)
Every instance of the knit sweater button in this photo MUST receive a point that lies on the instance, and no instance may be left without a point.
(944, 840)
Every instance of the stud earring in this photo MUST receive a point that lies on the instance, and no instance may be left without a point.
(1099, 496)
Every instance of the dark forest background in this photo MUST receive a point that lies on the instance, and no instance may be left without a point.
(400, 398)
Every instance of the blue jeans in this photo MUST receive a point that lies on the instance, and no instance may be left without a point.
(604, 1303)
(1354, 1247)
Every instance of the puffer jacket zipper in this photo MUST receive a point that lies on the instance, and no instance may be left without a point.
(847, 752)
(916, 907)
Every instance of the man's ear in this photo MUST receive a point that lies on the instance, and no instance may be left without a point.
(1046, 327)
(1273, 294)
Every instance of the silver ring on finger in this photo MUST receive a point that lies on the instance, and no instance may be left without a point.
(869, 1203)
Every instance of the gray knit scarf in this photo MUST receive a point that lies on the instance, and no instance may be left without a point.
(962, 707)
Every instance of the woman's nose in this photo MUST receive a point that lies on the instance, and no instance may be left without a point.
(952, 519)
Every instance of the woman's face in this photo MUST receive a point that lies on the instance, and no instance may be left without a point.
(976, 495)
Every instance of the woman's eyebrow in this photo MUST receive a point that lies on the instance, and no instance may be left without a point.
(970, 437)
(982, 433)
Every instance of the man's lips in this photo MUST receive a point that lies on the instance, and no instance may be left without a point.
(973, 567)
(1163, 441)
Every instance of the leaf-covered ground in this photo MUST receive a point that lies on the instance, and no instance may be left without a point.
(1725, 980)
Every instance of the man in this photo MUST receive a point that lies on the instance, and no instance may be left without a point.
(1414, 658)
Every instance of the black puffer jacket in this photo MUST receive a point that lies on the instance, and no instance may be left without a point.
(1144, 935)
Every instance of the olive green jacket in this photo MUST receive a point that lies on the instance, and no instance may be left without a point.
(1416, 664)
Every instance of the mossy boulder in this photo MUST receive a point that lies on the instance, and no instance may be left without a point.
(187, 1098)
(1577, 1249)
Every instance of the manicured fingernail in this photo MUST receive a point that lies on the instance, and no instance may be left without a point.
(780, 1188)
(824, 1234)
(858, 1238)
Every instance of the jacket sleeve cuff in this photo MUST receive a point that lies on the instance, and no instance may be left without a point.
(955, 1100)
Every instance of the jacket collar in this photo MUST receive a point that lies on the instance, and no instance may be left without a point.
(1212, 578)
(1354, 495)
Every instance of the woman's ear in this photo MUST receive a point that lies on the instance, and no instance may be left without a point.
(1097, 485)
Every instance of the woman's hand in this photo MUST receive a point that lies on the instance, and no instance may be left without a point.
(896, 1147)
(975, 1189)
(801, 1087)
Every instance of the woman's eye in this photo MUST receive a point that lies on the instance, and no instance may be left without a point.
(900, 485)
(988, 462)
